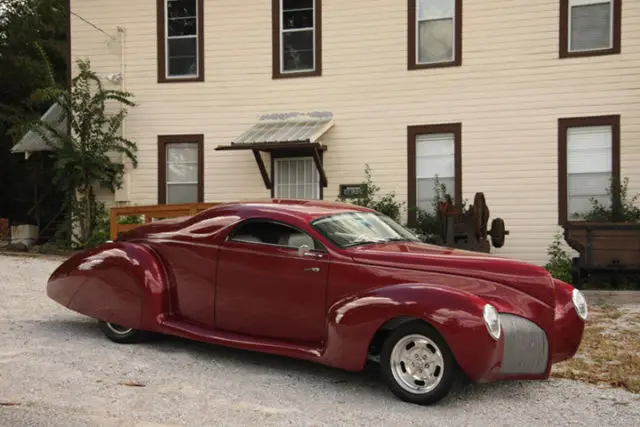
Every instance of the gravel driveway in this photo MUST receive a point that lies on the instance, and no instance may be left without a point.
(60, 371)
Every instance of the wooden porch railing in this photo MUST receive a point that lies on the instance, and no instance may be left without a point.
(150, 213)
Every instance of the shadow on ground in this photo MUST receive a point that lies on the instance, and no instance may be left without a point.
(369, 381)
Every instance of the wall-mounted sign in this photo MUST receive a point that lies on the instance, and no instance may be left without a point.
(350, 191)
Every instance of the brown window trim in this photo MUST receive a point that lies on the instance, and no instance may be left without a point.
(290, 154)
(411, 39)
(563, 125)
(163, 140)
(564, 33)
(275, 26)
(162, 70)
(412, 133)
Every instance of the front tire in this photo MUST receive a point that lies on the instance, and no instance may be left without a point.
(417, 364)
(121, 334)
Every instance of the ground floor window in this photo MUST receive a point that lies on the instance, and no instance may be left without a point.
(589, 159)
(296, 178)
(434, 158)
(180, 169)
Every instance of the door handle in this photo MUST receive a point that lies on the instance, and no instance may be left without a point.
(313, 269)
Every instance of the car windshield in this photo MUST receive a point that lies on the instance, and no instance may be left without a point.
(358, 228)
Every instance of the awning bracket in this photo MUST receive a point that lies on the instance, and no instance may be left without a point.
(263, 169)
(318, 162)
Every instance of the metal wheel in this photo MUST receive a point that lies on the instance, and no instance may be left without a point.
(117, 329)
(122, 334)
(417, 364)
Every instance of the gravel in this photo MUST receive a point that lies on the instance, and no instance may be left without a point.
(59, 370)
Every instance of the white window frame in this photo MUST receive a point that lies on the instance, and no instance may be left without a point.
(314, 170)
(295, 30)
(166, 169)
(571, 4)
(417, 36)
(167, 38)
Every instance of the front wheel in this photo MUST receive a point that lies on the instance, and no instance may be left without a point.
(121, 334)
(417, 364)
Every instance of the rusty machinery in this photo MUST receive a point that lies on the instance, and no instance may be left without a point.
(468, 229)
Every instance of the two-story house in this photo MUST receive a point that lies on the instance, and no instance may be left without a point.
(536, 103)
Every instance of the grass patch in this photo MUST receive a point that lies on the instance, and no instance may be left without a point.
(610, 350)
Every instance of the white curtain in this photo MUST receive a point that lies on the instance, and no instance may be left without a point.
(589, 161)
(435, 30)
(590, 23)
(182, 173)
(435, 155)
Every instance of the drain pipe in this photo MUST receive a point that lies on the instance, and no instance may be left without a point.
(123, 87)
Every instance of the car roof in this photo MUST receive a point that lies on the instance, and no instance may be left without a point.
(309, 209)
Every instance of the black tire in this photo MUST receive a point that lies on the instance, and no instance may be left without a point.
(446, 373)
(122, 335)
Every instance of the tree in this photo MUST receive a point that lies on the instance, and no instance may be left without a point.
(24, 25)
(82, 158)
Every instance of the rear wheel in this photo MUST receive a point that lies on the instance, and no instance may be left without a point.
(417, 364)
(122, 334)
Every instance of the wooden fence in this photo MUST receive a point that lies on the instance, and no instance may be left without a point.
(150, 213)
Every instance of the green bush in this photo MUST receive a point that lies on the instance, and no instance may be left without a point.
(559, 265)
(622, 208)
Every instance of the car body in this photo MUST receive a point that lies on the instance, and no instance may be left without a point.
(331, 283)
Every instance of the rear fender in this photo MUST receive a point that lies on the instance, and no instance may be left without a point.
(119, 282)
(456, 315)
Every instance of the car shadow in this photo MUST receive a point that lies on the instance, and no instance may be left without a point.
(368, 381)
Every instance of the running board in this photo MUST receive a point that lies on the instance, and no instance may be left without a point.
(188, 330)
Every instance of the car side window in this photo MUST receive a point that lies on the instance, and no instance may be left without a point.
(273, 233)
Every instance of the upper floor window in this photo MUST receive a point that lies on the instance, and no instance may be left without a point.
(435, 33)
(180, 169)
(180, 40)
(589, 157)
(297, 38)
(434, 160)
(589, 27)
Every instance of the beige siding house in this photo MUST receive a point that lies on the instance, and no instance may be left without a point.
(536, 103)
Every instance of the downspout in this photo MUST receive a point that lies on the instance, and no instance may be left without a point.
(123, 87)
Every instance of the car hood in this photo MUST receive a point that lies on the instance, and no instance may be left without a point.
(528, 278)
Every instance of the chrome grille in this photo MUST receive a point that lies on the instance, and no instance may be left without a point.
(526, 349)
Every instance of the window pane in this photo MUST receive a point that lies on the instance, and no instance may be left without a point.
(182, 193)
(426, 191)
(590, 27)
(435, 40)
(581, 188)
(296, 4)
(435, 9)
(298, 50)
(297, 19)
(181, 8)
(435, 155)
(177, 172)
(589, 149)
(180, 48)
(184, 152)
(182, 27)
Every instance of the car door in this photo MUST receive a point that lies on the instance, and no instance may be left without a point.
(267, 288)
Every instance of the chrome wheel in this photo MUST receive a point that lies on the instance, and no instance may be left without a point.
(117, 329)
(417, 364)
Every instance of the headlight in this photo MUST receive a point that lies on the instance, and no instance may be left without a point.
(492, 321)
(580, 304)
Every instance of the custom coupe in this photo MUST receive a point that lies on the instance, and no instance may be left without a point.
(331, 283)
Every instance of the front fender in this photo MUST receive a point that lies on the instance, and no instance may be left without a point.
(455, 314)
(119, 282)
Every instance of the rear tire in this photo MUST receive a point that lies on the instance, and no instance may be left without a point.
(417, 364)
(121, 334)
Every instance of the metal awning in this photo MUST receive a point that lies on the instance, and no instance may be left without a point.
(286, 131)
(32, 141)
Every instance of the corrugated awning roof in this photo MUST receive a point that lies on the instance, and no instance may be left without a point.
(273, 130)
(32, 141)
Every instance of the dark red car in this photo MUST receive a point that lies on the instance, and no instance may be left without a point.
(331, 283)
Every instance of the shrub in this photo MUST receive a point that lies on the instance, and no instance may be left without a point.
(621, 209)
(559, 264)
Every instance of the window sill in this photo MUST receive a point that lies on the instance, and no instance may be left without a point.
(455, 63)
(316, 73)
(181, 80)
(588, 53)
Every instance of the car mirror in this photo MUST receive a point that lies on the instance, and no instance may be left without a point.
(303, 250)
